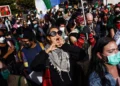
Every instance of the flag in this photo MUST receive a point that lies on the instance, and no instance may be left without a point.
(96, 5)
(44, 5)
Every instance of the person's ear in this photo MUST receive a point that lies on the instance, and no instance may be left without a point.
(99, 55)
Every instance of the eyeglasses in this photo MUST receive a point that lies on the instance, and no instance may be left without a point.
(53, 33)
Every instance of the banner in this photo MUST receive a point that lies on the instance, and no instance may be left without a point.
(5, 11)
(44, 5)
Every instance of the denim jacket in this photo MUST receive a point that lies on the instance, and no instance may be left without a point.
(94, 79)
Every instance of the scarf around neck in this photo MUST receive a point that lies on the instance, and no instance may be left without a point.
(60, 60)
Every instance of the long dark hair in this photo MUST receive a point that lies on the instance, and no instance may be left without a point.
(97, 65)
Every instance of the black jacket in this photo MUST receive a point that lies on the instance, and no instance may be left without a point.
(76, 54)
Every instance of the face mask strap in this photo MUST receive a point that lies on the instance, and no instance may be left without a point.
(104, 58)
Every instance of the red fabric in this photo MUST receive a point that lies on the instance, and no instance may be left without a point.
(105, 18)
(66, 6)
(79, 19)
(80, 41)
(76, 43)
(46, 78)
(118, 5)
(19, 39)
(118, 26)
(82, 36)
(91, 39)
(105, 11)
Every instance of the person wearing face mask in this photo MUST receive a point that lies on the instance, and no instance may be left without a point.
(104, 30)
(64, 31)
(62, 27)
(117, 34)
(80, 23)
(6, 50)
(30, 48)
(104, 65)
(8, 79)
(35, 24)
(4, 73)
(17, 24)
(110, 23)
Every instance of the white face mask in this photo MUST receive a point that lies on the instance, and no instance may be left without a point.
(18, 25)
(62, 29)
(2, 39)
(29, 22)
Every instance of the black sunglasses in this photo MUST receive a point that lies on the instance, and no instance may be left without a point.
(53, 33)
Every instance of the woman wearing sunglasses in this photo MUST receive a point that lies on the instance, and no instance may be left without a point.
(60, 58)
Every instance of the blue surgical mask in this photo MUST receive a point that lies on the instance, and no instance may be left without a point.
(114, 59)
(21, 36)
(5, 74)
(36, 25)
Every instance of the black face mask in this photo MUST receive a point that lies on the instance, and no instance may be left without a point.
(27, 46)
(117, 12)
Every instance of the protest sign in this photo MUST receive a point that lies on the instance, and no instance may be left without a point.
(5, 11)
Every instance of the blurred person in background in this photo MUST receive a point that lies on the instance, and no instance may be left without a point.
(80, 23)
(2, 25)
(117, 31)
(6, 49)
(104, 29)
(110, 23)
(61, 23)
(8, 79)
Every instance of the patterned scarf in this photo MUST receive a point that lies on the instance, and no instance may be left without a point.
(60, 60)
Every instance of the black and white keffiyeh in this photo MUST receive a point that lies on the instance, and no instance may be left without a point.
(60, 60)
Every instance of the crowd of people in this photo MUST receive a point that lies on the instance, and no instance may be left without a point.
(64, 47)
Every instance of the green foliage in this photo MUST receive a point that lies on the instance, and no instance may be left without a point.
(14, 9)
(11, 3)
(18, 5)
(6, 2)
(27, 4)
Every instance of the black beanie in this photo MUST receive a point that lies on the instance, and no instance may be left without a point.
(29, 35)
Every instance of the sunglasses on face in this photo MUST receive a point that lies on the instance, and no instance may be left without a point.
(53, 33)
